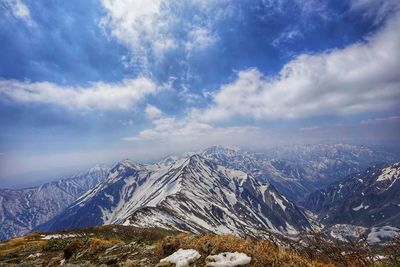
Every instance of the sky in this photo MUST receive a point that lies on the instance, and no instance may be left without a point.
(83, 82)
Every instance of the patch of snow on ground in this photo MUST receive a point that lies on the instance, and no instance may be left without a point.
(346, 231)
(35, 255)
(361, 207)
(228, 259)
(278, 201)
(389, 173)
(182, 257)
(378, 234)
(290, 229)
(47, 237)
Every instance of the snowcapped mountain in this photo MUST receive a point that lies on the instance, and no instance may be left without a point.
(23, 209)
(193, 194)
(299, 170)
(369, 198)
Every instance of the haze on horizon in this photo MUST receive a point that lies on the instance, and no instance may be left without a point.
(84, 82)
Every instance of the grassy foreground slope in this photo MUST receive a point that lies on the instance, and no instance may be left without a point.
(117, 245)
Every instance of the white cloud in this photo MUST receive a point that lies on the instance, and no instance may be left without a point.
(200, 38)
(153, 112)
(362, 77)
(287, 36)
(137, 22)
(152, 28)
(21, 11)
(188, 134)
(99, 95)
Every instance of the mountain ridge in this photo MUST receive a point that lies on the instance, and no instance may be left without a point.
(23, 209)
(193, 194)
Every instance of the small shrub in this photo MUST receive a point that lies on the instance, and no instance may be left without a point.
(55, 244)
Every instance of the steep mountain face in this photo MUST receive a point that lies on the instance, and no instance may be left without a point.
(297, 171)
(193, 194)
(370, 198)
(23, 209)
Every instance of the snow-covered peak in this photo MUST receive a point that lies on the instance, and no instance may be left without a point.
(168, 161)
(224, 150)
(98, 167)
(126, 163)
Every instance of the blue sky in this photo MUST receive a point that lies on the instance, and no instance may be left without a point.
(93, 81)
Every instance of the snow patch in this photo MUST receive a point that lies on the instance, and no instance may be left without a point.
(361, 207)
(182, 257)
(35, 255)
(47, 237)
(388, 173)
(228, 259)
(378, 234)
(344, 232)
(278, 201)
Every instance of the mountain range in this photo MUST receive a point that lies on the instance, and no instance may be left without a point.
(286, 190)
(296, 171)
(23, 209)
(192, 194)
(368, 198)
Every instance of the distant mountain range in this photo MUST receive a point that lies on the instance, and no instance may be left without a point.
(296, 171)
(192, 194)
(23, 209)
(369, 198)
(219, 190)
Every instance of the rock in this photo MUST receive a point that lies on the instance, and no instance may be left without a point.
(168, 246)
(207, 247)
(117, 246)
(71, 249)
(112, 259)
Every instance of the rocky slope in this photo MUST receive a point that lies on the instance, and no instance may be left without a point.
(369, 198)
(23, 209)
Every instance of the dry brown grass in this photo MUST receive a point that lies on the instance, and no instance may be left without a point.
(20, 242)
(101, 244)
(262, 252)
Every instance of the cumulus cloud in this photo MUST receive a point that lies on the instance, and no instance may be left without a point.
(362, 77)
(97, 96)
(152, 28)
(20, 11)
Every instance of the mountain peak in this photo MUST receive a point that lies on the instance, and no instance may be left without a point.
(127, 163)
(98, 167)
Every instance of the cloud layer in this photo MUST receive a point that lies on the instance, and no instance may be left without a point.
(98, 96)
(175, 134)
(362, 77)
